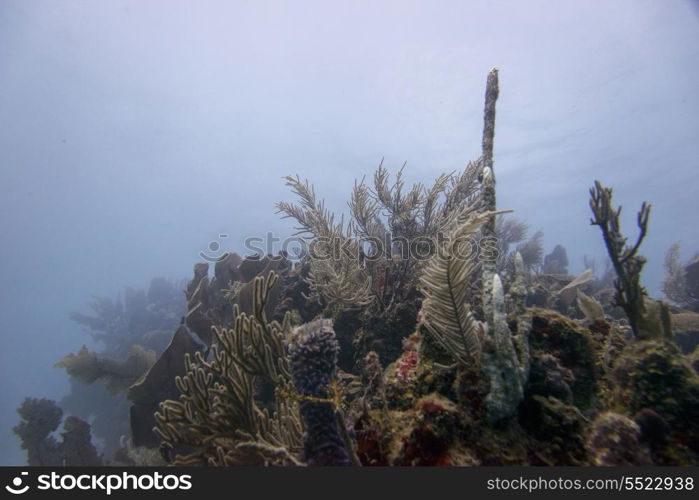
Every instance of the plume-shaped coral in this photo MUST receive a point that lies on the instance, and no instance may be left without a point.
(372, 259)
(336, 273)
(446, 313)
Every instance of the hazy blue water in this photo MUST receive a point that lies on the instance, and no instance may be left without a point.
(133, 133)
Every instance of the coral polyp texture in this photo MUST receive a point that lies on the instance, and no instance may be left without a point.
(442, 334)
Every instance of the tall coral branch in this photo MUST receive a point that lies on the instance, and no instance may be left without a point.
(627, 264)
(487, 178)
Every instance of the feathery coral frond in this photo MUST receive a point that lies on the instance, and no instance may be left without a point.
(447, 316)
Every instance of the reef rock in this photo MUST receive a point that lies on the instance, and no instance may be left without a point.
(615, 441)
(655, 375)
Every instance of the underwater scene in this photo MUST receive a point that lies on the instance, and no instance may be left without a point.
(349, 234)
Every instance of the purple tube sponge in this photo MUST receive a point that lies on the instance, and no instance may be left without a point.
(314, 350)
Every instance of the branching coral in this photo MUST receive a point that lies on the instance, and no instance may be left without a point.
(626, 262)
(135, 317)
(374, 259)
(630, 295)
(108, 322)
(336, 273)
(217, 413)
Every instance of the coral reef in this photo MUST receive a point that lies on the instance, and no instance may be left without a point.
(427, 329)
(573, 349)
(432, 436)
(559, 428)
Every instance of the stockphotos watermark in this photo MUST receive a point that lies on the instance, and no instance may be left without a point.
(106, 483)
(360, 248)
